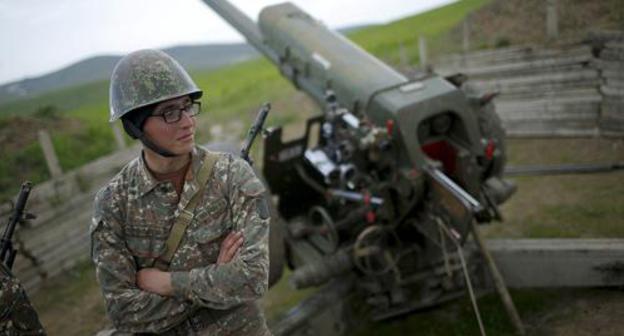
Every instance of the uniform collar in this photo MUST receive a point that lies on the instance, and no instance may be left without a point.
(146, 181)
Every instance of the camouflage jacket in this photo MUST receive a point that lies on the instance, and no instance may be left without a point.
(17, 316)
(132, 217)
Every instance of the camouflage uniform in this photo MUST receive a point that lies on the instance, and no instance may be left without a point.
(132, 218)
(17, 316)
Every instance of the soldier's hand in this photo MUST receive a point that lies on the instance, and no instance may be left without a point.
(155, 281)
(229, 247)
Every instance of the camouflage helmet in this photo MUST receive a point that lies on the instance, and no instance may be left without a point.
(146, 77)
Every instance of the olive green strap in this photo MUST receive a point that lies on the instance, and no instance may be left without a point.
(186, 215)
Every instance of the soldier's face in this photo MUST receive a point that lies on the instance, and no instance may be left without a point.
(177, 137)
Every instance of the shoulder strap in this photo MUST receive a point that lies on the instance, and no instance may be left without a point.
(186, 215)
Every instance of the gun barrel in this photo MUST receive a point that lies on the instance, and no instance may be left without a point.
(244, 24)
(17, 214)
(458, 192)
(254, 130)
(311, 56)
(262, 114)
(6, 247)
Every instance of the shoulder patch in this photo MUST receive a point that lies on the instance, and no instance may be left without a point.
(245, 178)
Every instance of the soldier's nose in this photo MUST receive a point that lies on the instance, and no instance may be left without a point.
(186, 120)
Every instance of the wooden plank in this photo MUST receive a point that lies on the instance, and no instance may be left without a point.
(615, 88)
(51, 237)
(510, 116)
(545, 94)
(529, 66)
(539, 87)
(54, 264)
(612, 74)
(616, 44)
(613, 106)
(547, 109)
(34, 283)
(58, 235)
(559, 262)
(557, 100)
(42, 239)
(45, 141)
(56, 252)
(545, 89)
(485, 55)
(510, 55)
(612, 55)
(611, 91)
(611, 134)
(554, 133)
(613, 100)
(551, 127)
(612, 125)
(511, 70)
(614, 112)
(607, 65)
(550, 77)
(615, 83)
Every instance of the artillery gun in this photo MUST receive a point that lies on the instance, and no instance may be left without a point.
(384, 188)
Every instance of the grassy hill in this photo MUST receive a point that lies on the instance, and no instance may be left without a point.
(100, 68)
(77, 115)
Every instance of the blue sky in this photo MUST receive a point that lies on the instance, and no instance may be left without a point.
(40, 36)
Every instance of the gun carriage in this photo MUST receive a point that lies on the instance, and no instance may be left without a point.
(386, 183)
(382, 191)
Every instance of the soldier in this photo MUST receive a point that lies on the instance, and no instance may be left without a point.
(180, 235)
(17, 316)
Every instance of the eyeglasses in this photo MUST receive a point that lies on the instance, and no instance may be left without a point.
(173, 115)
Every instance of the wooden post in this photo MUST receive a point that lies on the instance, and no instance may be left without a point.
(552, 24)
(403, 56)
(499, 283)
(466, 36)
(422, 50)
(119, 138)
(50, 155)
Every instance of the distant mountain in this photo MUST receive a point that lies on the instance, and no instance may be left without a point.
(100, 67)
(194, 57)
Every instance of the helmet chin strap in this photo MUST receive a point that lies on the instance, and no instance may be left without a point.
(138, 134)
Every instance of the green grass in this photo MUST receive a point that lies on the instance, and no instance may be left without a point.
(282, 297)
(383, 41)
(71, 303)
(27, 164)
(66, 99)
(565, 206)
(86, 143)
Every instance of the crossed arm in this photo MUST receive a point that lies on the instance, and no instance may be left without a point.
(159, 282)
